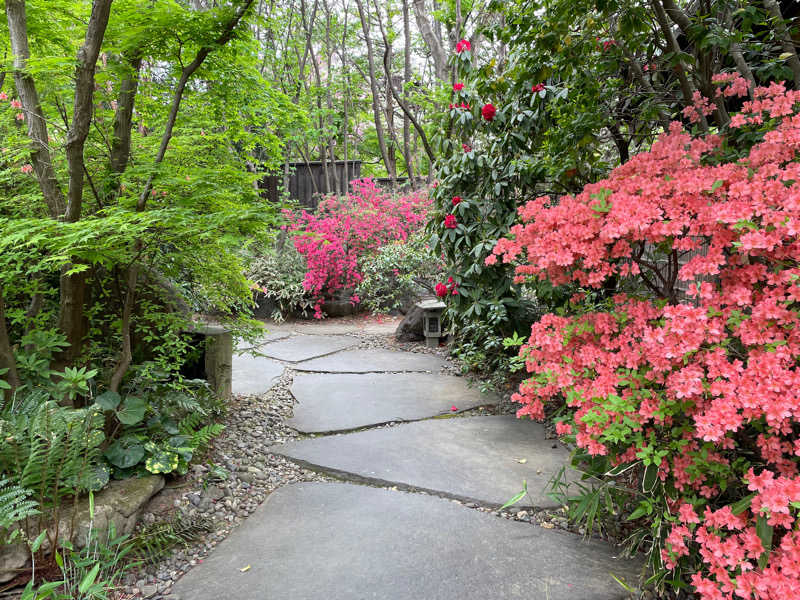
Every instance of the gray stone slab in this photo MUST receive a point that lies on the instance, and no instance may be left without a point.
(303, 347)
(384, 326)
(334, 541)
(341, 401)
(478, 459)
(372, 361)
(326, 327)
(254, 375)
(272, 336)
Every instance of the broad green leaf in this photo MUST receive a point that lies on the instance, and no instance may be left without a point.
(125, 452)
(132, 411)
(108, 400)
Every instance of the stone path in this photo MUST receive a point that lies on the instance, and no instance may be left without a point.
(392, 433)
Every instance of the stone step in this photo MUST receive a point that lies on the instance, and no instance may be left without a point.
(254, 375)
(477, 459)
(330, 402)
(304, 347)
(334, 541)
(372, 361)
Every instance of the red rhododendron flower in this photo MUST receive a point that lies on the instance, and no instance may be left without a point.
(462, 46)
(537, 88)
(457, 87)
(453, 286)
(466, 147)
(488, 111)
(450, 222)
(456, 200)
(441, 290)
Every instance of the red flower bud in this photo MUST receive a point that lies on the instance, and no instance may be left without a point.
(462, 46)
(456, 200)
(537, 88)
(450, 222)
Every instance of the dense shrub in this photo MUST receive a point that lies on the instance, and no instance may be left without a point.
(698, 390)
(398, 273)
(278, 274)
(345, 228)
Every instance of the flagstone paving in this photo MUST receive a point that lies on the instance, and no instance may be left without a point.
(272, 336)
(336, 541)
(303, 347)
(329, 402)
(353, 540)
(253, 375)
(372, 361)
(477, 459)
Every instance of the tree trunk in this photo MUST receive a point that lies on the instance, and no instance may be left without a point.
(686, 85)
(84, 105)
(785, 39)
(433, 41)
(329, 100)
(121, 143)
(29, 97)
(373, 83)
(406, 83)
(7, 360)
(406, 110)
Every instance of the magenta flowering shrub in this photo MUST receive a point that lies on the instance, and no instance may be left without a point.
(697, 385)
(345, 228)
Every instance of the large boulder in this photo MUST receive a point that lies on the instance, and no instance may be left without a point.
(14, 558)
(410, 328)
(119, 503)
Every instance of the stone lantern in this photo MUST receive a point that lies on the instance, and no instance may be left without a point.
(431, 321)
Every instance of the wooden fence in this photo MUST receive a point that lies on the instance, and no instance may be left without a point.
(307, 181)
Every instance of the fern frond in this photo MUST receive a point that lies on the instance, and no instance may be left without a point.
(155, 541)
(15, 504)
(202, 437)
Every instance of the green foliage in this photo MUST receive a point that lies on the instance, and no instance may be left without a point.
(277, 273)
(49, 449)
(398, 273)
(92, 573)
(161, 429)
(15, 506)
(155, 541)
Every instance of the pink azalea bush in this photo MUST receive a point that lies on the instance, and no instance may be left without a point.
(694, 376)
(345, 228)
